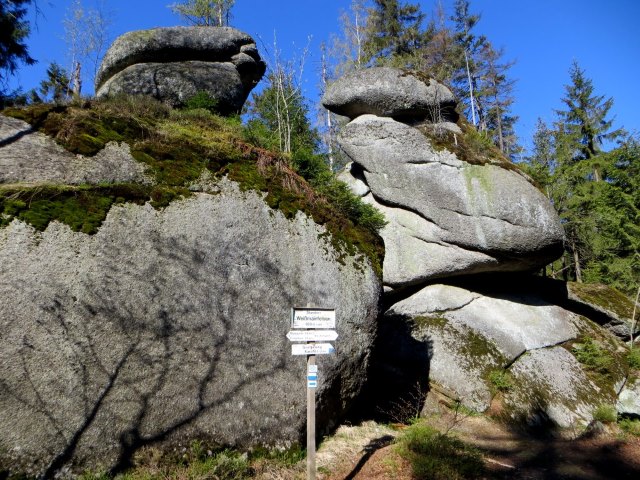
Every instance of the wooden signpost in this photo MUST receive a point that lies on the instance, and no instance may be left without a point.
(312, 325)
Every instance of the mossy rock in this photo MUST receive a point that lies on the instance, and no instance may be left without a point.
(462, 361)
(176, 148)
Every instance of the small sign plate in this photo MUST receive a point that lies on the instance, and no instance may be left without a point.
(312, 335)
(312, 384)
(313, 318)
(312, 369)
(311, 348)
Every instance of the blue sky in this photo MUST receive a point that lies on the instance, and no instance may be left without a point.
(542, 36)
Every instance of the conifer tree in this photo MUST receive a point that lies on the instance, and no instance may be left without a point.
(586, 120)
(14, 30)
(393, 31)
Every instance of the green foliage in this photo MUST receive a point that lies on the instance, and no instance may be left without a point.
(55, 87)
(14, 30)
(593, 356)
(630, 426)
(633, 357)
(594, 192)
(436, 456)
(393, 30)
(500, 380)
(605, 414)
(202, 100)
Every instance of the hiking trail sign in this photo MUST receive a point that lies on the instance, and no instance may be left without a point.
(315, 327)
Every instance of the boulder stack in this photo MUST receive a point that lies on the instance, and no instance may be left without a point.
(175, 63)
(447, 216)
(499, 339)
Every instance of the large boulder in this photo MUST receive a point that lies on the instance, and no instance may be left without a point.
(170, 325)
(491, 217)
(389, 92)
(172, 64)
(512, 344)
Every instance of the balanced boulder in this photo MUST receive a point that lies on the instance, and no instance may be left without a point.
(175, 63)
(389, 92)
(448, 216)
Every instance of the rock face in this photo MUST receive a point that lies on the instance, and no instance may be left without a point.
(170, 325)
(32, 157)
(450, 216)
(173, 64)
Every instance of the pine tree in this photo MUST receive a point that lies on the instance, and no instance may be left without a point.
(56, 86)
(393, 31)
(14, 30)
(586, 120)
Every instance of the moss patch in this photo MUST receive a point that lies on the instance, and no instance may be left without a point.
(82, 208)
(603, 356)
(603, 296)
(471, 146)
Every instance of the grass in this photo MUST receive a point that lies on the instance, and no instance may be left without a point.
(630, 426)
(177, 147)
(633, 357)
(500, 380)
(605, 414)
(436, 456)
(201, 462)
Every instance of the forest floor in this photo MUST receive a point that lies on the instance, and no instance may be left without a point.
(368, 452)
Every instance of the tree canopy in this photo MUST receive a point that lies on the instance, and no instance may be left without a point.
(213, 13)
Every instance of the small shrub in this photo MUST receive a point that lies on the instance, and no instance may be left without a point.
(500, 380)
(593, 356)
(633, 357)
(436, 456)
(629, 425)
(605, 414)
(202, 100)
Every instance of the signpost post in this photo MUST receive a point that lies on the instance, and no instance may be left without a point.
(317, 325)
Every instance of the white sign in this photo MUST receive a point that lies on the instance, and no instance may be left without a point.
(312, 335)
(312, 369)
(311, 348)
(313, 318)
(312, 383)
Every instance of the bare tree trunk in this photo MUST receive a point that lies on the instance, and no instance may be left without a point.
(473, 108)
(576, 262)
(76, 80)
(633, 318)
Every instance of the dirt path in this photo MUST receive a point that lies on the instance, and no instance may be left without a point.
(366, 453)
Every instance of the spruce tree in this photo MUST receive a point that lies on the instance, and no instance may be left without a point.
(393, 31)
(586, 120)
(14, 30)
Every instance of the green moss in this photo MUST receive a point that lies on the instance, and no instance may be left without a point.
(470, 146)
(603, 296)
(603, 356)
(82, 208)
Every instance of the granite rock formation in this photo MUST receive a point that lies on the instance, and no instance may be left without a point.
(173, 64)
